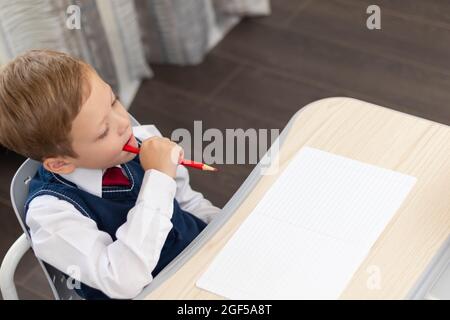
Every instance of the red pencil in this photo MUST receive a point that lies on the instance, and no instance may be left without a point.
(187, 163)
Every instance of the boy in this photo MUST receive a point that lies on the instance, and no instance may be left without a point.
(117, 217)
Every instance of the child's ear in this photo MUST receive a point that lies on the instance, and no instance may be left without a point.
(59, 165)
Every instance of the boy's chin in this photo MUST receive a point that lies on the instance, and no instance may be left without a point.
(127, 157)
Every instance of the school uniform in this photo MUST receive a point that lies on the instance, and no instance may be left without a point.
(118, 237)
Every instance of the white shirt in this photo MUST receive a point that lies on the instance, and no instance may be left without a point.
(66, 239)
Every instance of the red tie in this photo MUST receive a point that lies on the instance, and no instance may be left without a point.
(114, 177)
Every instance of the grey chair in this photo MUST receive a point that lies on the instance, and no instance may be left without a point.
(56, 279)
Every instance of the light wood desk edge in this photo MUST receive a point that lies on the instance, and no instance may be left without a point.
(159, 288)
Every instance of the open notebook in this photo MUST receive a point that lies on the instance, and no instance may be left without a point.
(310, 232)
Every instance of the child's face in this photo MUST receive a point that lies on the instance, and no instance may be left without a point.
(99, 132)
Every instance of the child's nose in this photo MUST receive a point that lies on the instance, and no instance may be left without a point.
(123, 126)
(123, 129)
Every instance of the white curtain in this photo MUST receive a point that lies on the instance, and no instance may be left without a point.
(120, 37)
(182, 31)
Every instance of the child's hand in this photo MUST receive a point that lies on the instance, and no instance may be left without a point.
(161, 154)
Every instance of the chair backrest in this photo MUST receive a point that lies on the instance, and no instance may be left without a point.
(19, 189)
(19, 194)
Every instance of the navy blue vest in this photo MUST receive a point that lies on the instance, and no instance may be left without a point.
(111, 210)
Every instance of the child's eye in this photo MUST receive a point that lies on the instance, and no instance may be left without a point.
(104, 134)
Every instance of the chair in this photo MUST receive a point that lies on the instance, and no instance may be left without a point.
(56, 279)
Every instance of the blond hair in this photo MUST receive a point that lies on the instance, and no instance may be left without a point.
(41, 93)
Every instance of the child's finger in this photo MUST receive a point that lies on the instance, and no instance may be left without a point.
(175, 154)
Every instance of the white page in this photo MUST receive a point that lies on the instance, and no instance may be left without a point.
(310, 232)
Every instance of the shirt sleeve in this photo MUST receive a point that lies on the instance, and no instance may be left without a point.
(65, 238)
(192, 201)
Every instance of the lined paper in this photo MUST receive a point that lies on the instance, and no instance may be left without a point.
(310, 232)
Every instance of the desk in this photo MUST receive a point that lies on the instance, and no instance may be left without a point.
(362, 131)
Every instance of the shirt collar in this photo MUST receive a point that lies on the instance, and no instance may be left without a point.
(89, 180)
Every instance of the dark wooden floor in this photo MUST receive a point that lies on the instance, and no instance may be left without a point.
(268, 68)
